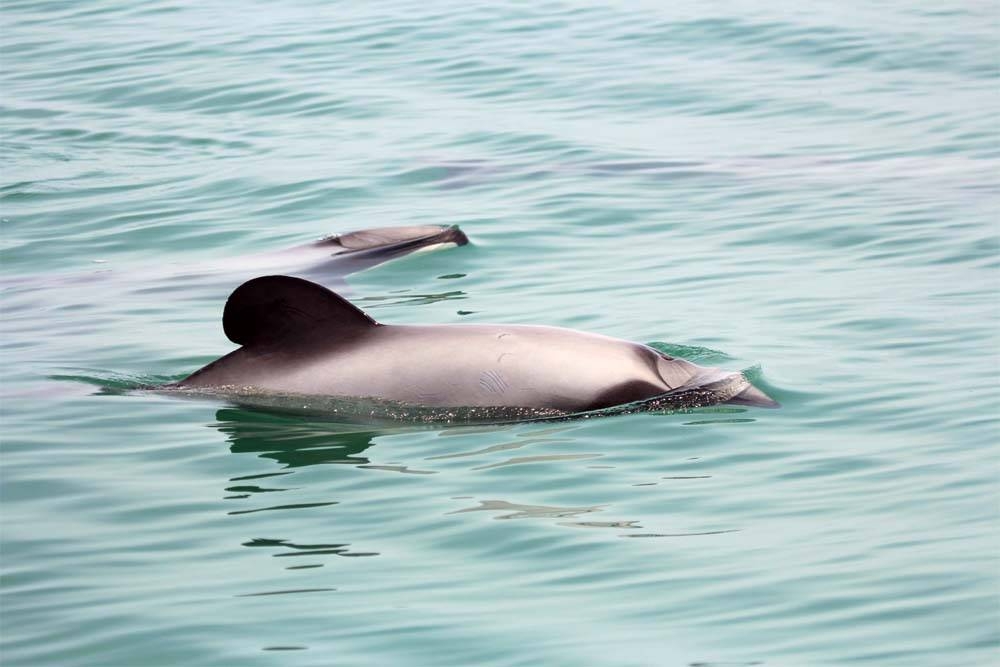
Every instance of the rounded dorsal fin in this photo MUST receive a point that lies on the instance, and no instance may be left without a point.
(271, 308)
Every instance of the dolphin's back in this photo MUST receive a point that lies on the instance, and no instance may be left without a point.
(485, 365)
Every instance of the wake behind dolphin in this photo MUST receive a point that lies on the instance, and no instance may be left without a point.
(304, 345)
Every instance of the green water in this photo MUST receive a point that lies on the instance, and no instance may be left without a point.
(808, 191)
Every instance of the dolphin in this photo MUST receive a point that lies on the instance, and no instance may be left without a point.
(327, 259)
(344, 254)
(299, 339)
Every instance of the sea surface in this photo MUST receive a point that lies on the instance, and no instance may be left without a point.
(806, 191)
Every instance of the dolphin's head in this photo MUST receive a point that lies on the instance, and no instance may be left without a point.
(729, 386)
(753, 397)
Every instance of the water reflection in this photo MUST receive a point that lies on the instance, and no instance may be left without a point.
(293, 442)
(517, 511)
(290, 549)
(509, 510)
(293, 506)
(288, 592)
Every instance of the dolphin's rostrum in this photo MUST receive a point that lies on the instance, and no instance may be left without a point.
(300, 339)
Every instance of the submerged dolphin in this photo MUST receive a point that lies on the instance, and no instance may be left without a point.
(327, 259)
(300, 339)
(343, 254)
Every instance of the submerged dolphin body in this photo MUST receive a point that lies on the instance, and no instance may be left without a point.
(328, 260)
(343, 254)
(301, 340)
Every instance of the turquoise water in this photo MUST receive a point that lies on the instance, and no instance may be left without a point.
(808, 191)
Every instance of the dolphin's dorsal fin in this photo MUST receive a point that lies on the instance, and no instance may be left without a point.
(272, 308)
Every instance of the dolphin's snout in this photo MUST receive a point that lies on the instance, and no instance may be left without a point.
(754, 397)
(680, 375)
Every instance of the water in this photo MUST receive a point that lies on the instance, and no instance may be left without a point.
(810, 189)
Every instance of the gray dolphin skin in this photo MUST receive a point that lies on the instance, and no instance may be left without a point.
(299, 339)
(343, 254)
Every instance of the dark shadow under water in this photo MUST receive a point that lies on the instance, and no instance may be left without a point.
(292, 441)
